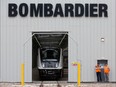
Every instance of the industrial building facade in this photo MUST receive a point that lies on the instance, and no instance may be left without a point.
(89, 24)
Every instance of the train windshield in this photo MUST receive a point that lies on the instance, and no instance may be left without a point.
(50, 54)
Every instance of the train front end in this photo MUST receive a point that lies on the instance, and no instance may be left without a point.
(50, 63)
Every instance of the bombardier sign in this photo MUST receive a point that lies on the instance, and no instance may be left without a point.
(61, 10)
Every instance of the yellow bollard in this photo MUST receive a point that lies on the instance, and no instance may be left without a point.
(22, 74)
(79, 74)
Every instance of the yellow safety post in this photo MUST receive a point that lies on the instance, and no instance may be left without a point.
(22, 74)
(79, 73)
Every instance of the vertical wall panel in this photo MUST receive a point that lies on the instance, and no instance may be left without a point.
(0, 40)
(85, 44)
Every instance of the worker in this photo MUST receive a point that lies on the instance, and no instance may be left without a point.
(98, 72)
(106, 72)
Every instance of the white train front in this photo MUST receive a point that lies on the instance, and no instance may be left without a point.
(50, 62)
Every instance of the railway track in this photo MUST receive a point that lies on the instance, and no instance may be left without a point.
(58, 85)
(43, 85)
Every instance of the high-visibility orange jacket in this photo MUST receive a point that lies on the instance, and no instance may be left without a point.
(98, 69)
(106, 69)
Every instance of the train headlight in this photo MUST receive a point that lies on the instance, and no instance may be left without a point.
(43, 65)
(56, 64)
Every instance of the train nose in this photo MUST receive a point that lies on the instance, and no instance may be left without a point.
(50, 65)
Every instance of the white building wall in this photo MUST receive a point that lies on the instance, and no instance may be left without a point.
(87, 32)
(0, 41)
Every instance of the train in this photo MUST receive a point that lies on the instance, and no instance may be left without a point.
(50, 63)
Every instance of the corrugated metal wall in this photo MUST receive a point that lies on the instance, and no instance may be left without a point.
(85, 46)
(0, 40)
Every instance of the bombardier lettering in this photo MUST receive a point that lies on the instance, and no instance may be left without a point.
(65, 10)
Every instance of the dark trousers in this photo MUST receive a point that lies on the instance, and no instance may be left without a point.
(106, 77)
(98, 76)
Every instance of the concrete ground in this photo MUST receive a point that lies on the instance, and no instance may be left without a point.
(54, 84)
(62, 82)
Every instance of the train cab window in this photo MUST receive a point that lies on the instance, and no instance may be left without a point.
(50, 54)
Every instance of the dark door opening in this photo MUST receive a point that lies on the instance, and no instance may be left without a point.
(102, 63)
(47, 47)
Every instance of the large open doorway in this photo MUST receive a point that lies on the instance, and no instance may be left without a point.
(50, 56)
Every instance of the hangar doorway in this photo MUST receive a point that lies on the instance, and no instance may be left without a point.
(50, 56)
